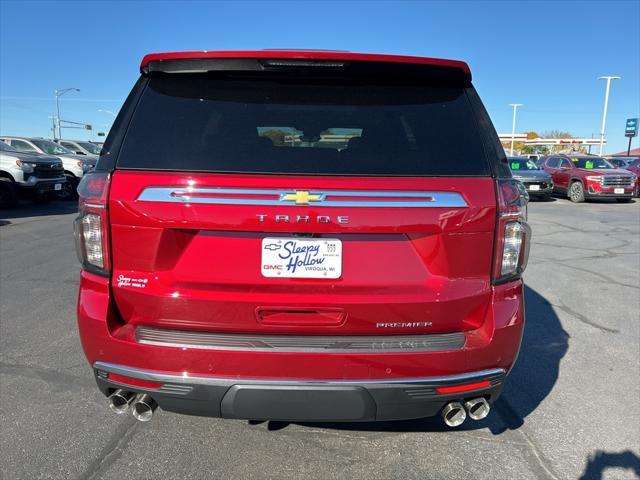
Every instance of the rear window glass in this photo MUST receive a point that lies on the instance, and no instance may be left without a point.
(200, 123)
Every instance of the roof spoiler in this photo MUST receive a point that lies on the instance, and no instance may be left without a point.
(308, 60)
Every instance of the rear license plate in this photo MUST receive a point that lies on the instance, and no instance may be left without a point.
(618, 190)
(534, 187)
(57, 186)
(301, 257)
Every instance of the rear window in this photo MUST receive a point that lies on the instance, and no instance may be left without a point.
(200, 123)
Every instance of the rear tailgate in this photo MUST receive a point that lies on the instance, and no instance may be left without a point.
(186, 264)
(386, 164)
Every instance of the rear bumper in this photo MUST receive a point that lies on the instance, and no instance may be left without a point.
(294, 385)
(355, 400)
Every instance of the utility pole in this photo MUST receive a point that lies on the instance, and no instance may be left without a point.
(608, 78)
(58, 94)
(513, 124)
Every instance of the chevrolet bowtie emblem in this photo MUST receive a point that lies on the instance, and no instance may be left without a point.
(301, 197)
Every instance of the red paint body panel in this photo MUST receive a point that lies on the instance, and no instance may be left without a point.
(433, 264)
(201, 263)
(304, 55)
(494, 344)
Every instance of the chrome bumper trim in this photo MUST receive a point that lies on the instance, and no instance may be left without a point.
(301, 343)
(185, 378)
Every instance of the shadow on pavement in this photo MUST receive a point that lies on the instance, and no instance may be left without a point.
(602, 461)
(26, 209)
(544, 344)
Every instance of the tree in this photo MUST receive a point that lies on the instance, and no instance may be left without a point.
(559, 148)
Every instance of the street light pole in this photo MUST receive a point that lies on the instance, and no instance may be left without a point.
(513, 124)
(608, 78)
(58, 94)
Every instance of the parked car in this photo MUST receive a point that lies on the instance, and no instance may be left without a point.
(586, 176)
(80, 147)
(34, 174)
(537, 182)
(229, 270)
(532, 156)
(634, 167)
(75, 166)
(619, 162)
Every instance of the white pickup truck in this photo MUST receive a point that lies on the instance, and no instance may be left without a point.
(75, 166)
(38, 175)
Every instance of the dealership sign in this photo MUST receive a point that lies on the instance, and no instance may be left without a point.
(631, 127)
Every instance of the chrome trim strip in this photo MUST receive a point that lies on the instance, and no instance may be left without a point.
(301, 343)
(185, 378)
(411, 199)
(94, 205)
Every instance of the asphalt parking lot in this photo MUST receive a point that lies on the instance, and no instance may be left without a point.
(569, 410)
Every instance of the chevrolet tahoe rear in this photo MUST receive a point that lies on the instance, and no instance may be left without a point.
(301, 236)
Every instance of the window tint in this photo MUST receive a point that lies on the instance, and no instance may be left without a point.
(52, 148)
(5, 147)
(200, 123)
(590, 163)
(90, 147)
(22, 146)
(564, 163)
(553, 162)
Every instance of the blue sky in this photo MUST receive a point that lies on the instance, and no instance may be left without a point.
(546, 55)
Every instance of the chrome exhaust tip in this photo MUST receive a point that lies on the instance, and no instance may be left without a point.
(120, 400)
(143, 407)
(454, 414)
(478, 408)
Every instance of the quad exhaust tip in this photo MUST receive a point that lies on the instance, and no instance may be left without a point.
(120, 401)
(143, 407)
(478, 408)
(454, 414)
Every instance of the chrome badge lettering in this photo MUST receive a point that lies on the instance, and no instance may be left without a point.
(403, 324)
(341, 219)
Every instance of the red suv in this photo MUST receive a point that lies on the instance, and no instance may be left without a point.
(634, 167)
(301, 236)
(586, 176)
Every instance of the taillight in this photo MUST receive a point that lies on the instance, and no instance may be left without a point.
(91, 228)
(513, 234)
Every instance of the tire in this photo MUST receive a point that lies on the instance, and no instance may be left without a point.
(623, 200)
(576, 192)
(8, 193)
(69, 187)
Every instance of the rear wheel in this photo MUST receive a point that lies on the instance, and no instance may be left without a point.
(68, 191)
(8, 194)
(576, 192)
